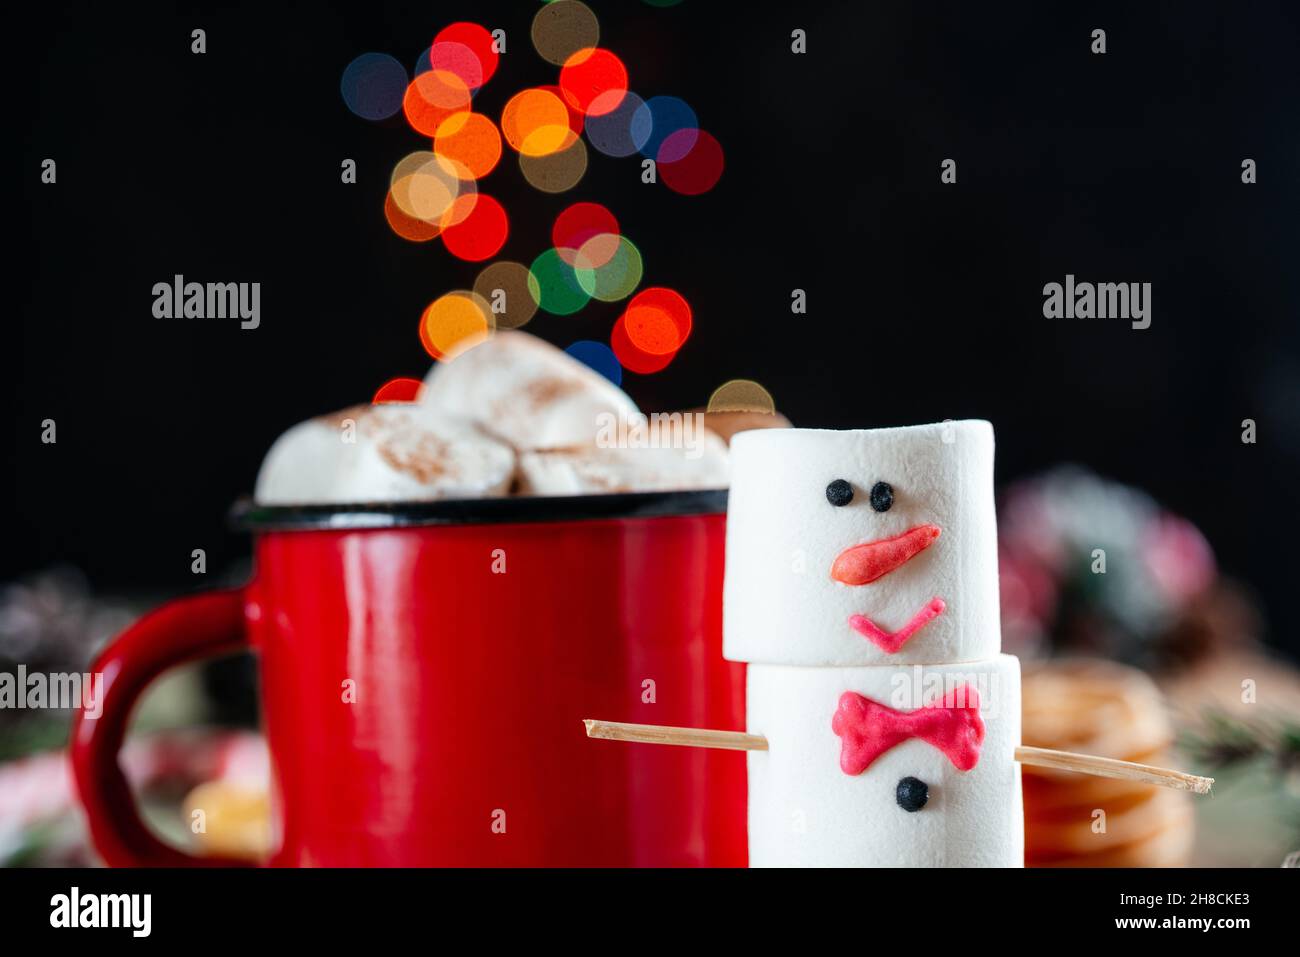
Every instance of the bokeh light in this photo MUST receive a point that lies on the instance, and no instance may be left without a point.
(467, 187)
(579, 223)
(511, 292)
(658, 320)
(690, 162)
(535, 122)
(408, 227)
(459, 60)
(664, 116)
(401, 389)
(453, 323)
(594, 81)
(562, 28)
(477, 233)
(608, 267)
(741, 395)
(576, 117)
(594, 253)
(470, 139)
(424, 185)
(434, 193)
(556, 172)
(432, 97)
(477, 40)
(373, 86)
(623, 130)
(631, 357)
(597, 356)
(557, 288)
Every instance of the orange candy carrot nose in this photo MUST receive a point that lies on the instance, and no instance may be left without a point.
(861, 564)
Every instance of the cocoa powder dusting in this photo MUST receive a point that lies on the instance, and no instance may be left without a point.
(425, 460)
(544, 391)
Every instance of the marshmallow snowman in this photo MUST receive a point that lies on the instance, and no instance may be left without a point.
(861, 588)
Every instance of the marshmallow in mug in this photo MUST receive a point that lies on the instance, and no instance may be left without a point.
(862, 547)
(527, 392)
(886, 766)
(594, 469)
(397, 452)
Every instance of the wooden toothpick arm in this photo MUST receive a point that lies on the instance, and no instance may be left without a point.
(1040, 757)
(685, 737)
(1114, 768)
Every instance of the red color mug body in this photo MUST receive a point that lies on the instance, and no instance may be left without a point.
(424, 685)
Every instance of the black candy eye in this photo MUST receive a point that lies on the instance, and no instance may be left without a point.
(839, 492)
(911, 794)
(882, 496)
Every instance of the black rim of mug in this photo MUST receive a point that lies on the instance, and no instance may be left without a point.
(247, 515)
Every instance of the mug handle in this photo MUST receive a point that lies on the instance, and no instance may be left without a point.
(206, 625)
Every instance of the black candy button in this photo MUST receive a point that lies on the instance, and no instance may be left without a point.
(839, 492)
(911, 794)
(882, 496)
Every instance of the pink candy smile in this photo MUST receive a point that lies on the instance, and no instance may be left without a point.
(892, 642)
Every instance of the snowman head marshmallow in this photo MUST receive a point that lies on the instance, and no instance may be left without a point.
(862, 547)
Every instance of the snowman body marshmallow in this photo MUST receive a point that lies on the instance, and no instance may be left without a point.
(861, 588)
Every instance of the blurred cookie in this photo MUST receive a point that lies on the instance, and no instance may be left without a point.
(1169, 846)
(1077, 830)
(1094, 707)
(1098, 707)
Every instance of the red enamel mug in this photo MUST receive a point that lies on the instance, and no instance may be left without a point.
(425, 669)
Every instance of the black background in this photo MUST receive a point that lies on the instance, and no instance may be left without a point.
(924, 299)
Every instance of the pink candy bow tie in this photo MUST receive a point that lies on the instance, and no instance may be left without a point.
(867, 729)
